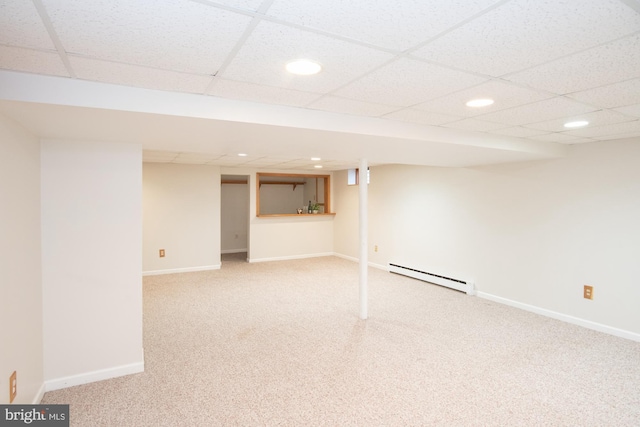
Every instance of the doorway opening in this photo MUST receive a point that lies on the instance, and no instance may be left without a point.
(234, 218)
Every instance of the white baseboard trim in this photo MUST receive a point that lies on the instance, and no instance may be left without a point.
(181, 270)
(370, 264)
(89, 377)
(286, 258)
(38, 398)
(347, 257)
(233, 251)
(378, 266)
(563, 317)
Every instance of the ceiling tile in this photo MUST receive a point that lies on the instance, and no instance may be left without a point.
(261, 93)
(421, 117)
(155, 160)
(345, 165)
(180, 36)
(391, 25)
(547, 109)
(298, 166)
(474, 125)
(600, 66)
(32, 61)
(588, 49)
(192, 161)
(607, 131)
(578, 141)
(132, 75)
(618, 136)
(158, 156)
(282, 159)
(159, 153)
(561, 138)
(630, 110)
(263, 57)
(519, 131)
(263, 163)
(596, 118)
(21, 25)
(198, 158)
(232, 160)
(505, 95)
(249, 5)
(611, 96)
(522, 33)
(349, 106)
(407, 82)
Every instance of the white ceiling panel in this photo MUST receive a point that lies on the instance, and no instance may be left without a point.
(20, 25)
(603, 65)
(617, 136)
(158, 156)
(181, 36)
(336, 166)
(296, 164)
(519, 131)
(32, 61)
(281, 158)
(231, 160)
(630, 110)
(249, 5)
(422, 117)
(195, 157)
(270, 47)
(266, 163)
(475, 125)
(391, 25)
(619, 94)
(349, 106)
(607, 131)
(596, 118)
(547, 109)
(505, 95)
(132, 75)
(413, 62)
(191, 161)
(522, 33)
(261, 93)
(407, 82)
(562, 138)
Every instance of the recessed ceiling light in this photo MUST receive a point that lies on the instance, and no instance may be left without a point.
(480, 102)
(303, 67)
(242, 154)
(576, 124)
(316, 159)
(318, 166)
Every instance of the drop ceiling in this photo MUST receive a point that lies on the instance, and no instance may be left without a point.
(393, 87)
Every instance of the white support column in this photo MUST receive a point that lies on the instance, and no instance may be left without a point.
(364, 258)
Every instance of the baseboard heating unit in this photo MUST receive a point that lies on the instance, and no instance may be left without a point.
(459, 284)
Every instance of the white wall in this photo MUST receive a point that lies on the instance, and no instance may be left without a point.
(347, 240)
(532, 233)
(20, 267)
(91, 261)
(234, 217)
(181, 216)
(292, 237)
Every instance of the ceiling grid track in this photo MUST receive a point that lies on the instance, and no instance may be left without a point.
(54, 36)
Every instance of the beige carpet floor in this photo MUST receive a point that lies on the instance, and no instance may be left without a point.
(280, 344)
